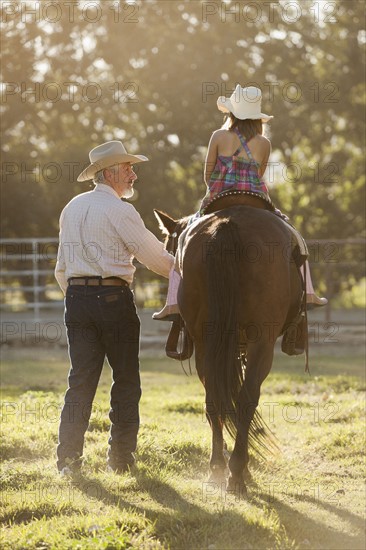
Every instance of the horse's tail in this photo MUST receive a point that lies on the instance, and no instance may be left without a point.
(224, 368)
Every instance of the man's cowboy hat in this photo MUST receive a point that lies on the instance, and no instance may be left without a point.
(105, 155)
(244, 103)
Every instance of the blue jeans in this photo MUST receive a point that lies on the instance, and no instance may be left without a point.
(101, 322)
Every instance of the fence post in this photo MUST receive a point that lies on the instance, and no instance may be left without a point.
(329, 290)
(36, 308)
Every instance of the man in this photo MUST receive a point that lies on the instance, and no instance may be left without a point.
(99, 237)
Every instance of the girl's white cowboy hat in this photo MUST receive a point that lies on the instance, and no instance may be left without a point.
(105, 155)
(244, 103)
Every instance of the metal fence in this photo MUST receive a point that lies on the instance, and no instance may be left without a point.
(27, 274)
(28, 283)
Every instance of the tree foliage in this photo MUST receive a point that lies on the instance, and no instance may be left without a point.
(78, 73)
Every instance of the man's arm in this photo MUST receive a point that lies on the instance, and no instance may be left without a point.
(145, 247)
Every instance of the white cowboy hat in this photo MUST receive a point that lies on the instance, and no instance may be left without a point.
(244, 103)
(105, 155)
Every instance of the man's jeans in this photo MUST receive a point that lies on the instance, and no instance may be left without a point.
(101, 322)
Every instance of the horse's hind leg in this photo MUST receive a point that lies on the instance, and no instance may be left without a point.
(259, 362)
(218, 463)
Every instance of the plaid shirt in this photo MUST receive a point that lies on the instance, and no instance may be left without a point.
(235, 173)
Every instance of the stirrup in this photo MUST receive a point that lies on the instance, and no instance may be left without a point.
(294, 338)
(173, 339)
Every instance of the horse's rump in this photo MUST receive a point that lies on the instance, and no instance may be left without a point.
(253, 250)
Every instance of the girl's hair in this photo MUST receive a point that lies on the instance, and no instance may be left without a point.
(249, 128)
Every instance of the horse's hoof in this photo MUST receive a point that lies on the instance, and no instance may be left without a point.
(237, 488)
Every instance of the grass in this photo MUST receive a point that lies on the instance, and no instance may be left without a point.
(308, 496)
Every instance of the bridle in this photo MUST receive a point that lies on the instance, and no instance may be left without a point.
(173, 236)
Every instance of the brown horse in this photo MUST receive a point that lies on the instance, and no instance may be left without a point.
(240, 289)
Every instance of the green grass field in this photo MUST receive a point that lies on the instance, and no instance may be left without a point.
(310, 495)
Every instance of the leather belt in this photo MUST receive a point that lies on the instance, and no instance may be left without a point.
(97, 281)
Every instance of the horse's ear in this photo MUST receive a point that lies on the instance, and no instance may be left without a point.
(166, 223)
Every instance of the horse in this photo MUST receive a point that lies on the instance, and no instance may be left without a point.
(241, 289)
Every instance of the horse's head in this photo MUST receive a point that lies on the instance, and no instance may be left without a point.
(171, 228)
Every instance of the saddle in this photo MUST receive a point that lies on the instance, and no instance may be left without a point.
(227, 199)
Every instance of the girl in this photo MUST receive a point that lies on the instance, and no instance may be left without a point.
(230, 163)
(236, 159)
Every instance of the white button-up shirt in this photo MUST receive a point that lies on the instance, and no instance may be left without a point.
(100, 235)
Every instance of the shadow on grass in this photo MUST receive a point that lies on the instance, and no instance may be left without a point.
(183, 524)
(43, 510)
(307, 532)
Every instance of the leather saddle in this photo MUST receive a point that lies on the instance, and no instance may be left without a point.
(227, 199)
